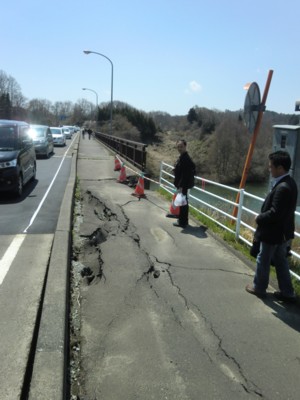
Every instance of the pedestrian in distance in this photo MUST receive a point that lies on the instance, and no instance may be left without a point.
(275, 230)
(89, 133)
(184, 172)
(83, 133)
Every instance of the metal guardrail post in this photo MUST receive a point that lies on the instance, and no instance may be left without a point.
(160, 172)
(239, 214)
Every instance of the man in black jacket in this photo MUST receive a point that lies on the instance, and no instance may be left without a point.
(275, 229)
(184, 172)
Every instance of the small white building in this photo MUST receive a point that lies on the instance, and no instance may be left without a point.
(287, 137)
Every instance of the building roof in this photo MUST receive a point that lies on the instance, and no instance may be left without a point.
(288, 127)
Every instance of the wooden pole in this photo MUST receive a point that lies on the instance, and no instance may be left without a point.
(253, 140)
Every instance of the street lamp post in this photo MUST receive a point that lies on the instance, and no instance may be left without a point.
(112, 82)
(91, 90)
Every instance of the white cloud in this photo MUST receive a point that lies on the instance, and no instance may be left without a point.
(194, 87)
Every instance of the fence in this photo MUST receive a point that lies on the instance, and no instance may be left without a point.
(135, 152)
(205, 198)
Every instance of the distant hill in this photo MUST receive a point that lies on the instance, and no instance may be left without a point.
(217, 141)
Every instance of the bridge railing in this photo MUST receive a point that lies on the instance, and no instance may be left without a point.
(216, 202)
(134, 152)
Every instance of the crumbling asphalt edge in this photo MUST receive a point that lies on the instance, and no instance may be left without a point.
(50, 369)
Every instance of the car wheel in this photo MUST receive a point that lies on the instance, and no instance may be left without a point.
(19, 188)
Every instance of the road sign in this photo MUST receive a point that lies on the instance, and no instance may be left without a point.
(252, 106)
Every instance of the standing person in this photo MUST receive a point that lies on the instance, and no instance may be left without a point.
(83, 133)
(90, 133)
(275, 229)
(184, 172)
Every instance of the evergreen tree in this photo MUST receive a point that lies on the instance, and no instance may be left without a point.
(192, 115)
(5, 106)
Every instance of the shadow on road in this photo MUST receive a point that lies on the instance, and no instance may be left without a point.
(198, 231)
(10, 198)
(287, 313)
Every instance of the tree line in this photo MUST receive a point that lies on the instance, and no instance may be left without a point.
(14, 105)
(129, 121)
(217, 140)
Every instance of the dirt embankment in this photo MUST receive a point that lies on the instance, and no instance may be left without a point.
(165, 151)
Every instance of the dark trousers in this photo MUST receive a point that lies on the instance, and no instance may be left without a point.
(184, 211)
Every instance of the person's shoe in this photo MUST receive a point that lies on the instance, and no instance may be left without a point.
(250, 289)
(169, 215)
(281, 297)
(180, 225)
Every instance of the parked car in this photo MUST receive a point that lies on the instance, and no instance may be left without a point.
(42, 139)
(17, 156)
(67, 133)
(59, 138)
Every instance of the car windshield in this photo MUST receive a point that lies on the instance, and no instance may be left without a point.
(8, 138)
(56, 131)
(36, 132)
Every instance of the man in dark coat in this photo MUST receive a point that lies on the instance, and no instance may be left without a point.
(184, 172)
(275, 229)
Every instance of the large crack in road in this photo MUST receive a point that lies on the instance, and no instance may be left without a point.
(88, 268)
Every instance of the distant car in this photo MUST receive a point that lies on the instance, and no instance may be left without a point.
(67, 132)
(71, 129)
(59, 138)
(42, 139)
(17, 156)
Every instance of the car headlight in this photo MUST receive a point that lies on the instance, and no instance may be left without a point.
(7, 164)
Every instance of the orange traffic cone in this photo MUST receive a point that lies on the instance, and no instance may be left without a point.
(122, 177)
(174, 211)
(117, 164)
(139, 189)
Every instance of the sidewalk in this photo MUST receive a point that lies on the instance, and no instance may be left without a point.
(164, 311)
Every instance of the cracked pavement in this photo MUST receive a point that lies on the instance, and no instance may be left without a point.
(163, 311)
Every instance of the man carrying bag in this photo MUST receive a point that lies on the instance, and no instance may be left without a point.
(184, 172)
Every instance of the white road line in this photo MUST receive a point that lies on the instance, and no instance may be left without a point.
(10, 255)
(48, 190)
(15, 245)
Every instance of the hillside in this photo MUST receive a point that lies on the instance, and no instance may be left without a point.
(217, 141)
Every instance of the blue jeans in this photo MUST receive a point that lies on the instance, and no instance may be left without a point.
(278, 254)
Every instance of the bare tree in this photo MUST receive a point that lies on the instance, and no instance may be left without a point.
(39, 111)
(229, 150)
(8, 85)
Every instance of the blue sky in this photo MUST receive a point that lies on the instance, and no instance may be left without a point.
(168, 55)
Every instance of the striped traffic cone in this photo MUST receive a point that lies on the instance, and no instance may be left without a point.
(122, 176)
(117, 164)
(139, 189)
(174, 210)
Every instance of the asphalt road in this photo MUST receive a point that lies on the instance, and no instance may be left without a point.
(17, 213)
(164, 311)
(27, 227)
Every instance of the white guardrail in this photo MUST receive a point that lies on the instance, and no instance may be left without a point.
(205, 198)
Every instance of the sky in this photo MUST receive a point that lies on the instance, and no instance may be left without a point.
(167, 55)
